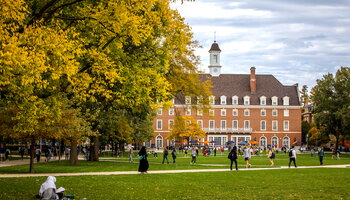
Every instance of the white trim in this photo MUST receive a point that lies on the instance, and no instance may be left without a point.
(247, 106)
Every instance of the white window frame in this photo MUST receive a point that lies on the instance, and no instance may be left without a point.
(246, 100)
(274, 100)
(200, 112)
(171, 111)
(223, 112)
(286, 125)
(274, 142)
(200, 100)
(245, 123)
(211, 122)
(170, 121)
(286, 139)
(263, 138)
(235, 100)
(263, 112)
(188, 112)
(223, 100)
(233, 124)
(211, 112)
(212, 100)
(246, 112)
(274, 125)
(160, 111)
(187, 100)
(223, 124)
(200, 123)
(263, 100)
(286, 113)
(274, 113)
(286, 101)
(159, 124)
(234, 112)
(261, 125)
(159, 141)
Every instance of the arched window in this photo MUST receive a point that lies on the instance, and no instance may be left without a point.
(246, 100)
(286, 142)
(159, 141)
(263, 100)
(234, 100)
(286, 101)
(263, 141)
(223, 100)
(274, 141)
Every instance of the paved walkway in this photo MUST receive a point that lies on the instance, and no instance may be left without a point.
(163, 171)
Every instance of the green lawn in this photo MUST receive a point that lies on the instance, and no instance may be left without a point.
(122, 164)
(267, 184)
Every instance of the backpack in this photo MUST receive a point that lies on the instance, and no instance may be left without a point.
(273, 155)
(291, 153)
(230, 155)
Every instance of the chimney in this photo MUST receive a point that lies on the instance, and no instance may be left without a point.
(252, 80)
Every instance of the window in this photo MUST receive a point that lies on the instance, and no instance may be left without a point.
(263, 100)
(263, 141)
(234, 112)
(173, 101)
(246, 124)
(200, 100)
(223, 124)
(188, 112)
(286, 125)
(275, 125)
(200, 123)
(200, 112)
(246, 112)
(246, 100)
(263, 112)
(274, 141)
(263, 125)
(274, 113)
(160, 111)
(159, 124)
(235, 124)
(211, 112)
(286, 113)
(215, 59)
(286, 101)
(234, 100)
(274, 101)
(212, 100)
(223, 100)
(187, 100)
(159, 141)
(171, 124)
(286, 141)
(211, 124)
(171, 111)
(223, 112)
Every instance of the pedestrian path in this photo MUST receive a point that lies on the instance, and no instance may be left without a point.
(163, 171)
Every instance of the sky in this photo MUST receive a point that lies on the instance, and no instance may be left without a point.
(297, 41)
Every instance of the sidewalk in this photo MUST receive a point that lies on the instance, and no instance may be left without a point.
(163, 171)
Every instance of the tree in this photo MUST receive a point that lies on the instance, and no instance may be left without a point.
(332, 100)
(186, 128)
(305, 127)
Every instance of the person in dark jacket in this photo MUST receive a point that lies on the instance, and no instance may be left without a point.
(321, 155)
(233, 157)
(174, 154)
(143, 166)
(165, 156)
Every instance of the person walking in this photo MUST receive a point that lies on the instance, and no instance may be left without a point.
(271, 156)
(321, 155)
(247, 154)
(214, 151)
(194, 156)
(165, 156)
(233, 157)
(174, 154)
(143, 166)
(292, 157)
(37, 154)
(131, 153)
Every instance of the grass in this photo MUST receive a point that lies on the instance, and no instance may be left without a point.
(122, 164)
(268, 184)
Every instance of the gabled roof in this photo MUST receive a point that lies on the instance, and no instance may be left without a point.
(239, 85)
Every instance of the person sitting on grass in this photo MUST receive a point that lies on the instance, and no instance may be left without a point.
(48, 189)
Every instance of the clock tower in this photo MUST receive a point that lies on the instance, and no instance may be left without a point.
(214, 67)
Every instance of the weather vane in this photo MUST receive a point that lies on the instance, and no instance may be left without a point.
(214, 36)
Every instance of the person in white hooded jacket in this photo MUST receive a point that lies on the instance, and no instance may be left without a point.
(48, 189)
(292, 157)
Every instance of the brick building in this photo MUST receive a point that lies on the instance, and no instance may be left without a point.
(244, 107)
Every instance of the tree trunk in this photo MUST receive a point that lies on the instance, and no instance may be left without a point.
(32, 153)
(336, 143)
(95, 149)
(73, 160)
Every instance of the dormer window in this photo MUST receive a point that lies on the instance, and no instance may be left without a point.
(286, 101)
(223, 100)
(263, 100)
(234, 100)
(200, 100)
(212, 100)
(173, 101)
(187, 100)
(246, 100)
(274, 100)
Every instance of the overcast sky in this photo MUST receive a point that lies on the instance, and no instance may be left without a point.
(298, 41)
